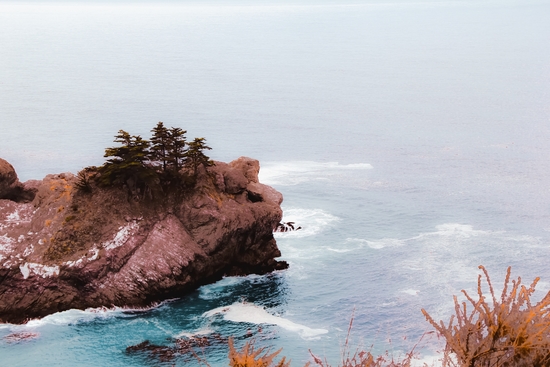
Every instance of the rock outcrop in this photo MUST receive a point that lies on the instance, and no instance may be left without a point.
(72, 248)
(11, 188)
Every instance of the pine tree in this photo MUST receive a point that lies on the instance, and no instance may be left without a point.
(176, 148)
(119, 154)
(160, 145)
(127, 163)
(195, 155)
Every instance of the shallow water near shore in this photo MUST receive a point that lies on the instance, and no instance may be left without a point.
(410, 141)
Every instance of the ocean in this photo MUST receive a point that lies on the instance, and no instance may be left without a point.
(410, 139)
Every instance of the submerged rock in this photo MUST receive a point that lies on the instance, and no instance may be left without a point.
(71, 248)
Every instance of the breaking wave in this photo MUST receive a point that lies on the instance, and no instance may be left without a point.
(250, 313)
(312, 221)
(74, 316)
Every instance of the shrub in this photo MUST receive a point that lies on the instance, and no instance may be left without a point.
(510, 331)
(83, 183)
(361, 358)
(251, 357)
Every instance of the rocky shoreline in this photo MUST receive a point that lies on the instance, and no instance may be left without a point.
(62, 248)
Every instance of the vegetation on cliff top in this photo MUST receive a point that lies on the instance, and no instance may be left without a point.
(140, 165)
(135, 170)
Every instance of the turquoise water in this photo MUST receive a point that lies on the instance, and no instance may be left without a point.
(409, 139)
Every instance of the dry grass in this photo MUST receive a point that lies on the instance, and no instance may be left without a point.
(249, 356)
(510, 331)
(361, 358)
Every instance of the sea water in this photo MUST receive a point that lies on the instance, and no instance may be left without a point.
(410, 140)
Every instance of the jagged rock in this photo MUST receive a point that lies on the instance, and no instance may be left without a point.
(8, 178)
(73, 249)
(258, 192)
(248, 166)
(235, 181)
(11, 188)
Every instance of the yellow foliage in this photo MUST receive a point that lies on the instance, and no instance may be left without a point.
(509, 332)
(251, 357)
(48, 222)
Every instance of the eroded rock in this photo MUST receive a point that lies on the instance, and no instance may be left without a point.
(11, 188)
(69, 249)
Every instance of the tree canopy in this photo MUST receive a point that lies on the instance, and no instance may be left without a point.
(138, 163)
(127, 162)
(195, 154)
(176, 148)
(160, 144)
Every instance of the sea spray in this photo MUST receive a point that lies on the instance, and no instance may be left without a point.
(253, 314)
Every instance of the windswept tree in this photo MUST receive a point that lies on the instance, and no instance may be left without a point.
(195, 154)
(176, 148)
(160, 145)
(140, 164)
(126, 164)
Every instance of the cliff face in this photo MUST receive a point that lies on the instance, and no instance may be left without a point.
(73, 249)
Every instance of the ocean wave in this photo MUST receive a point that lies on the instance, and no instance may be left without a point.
(353, 244)
(434, 264)
(189, 335)
(456, 229)
(219, 289)
(312, 221)
(74, 316)
(411, 292)
(443, 231)
(70, 317)
(253, 314)
(296, 172)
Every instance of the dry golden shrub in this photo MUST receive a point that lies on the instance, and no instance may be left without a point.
(505, 332)
(248, 356)
(361, 358)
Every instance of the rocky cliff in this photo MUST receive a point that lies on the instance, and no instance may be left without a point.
(62, 247)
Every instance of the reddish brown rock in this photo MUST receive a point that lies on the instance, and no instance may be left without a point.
(11, 188)
(249, 167)
(8, 178)
(70, 249)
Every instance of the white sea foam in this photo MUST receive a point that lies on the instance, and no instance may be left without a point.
(436, 264)
(186, 334)
(72, 316)
(220, 288)
(359, 243)
(251, 313)
(355, 244)
(447, 231)
(312, 221)
(296, 172)
(456, 229)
